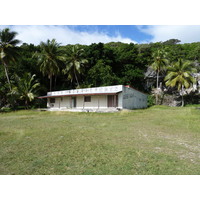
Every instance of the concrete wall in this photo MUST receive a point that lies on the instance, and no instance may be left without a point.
(60, 102)
(95, 100)
(65, 102)
(133, 99)
(120, 100)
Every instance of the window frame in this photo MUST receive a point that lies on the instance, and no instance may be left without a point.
(52, 100)
(87, 98)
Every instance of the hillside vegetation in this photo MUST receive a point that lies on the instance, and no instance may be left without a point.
(28, 70)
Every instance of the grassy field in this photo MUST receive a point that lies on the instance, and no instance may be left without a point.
(158, 140)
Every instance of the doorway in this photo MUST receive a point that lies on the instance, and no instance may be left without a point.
(73, 102)
(112, 100)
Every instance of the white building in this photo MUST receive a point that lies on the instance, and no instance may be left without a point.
(115, 97)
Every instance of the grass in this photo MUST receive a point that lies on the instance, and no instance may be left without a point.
(158, 140)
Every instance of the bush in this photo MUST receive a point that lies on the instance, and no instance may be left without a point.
(150, 100)
(5, 109)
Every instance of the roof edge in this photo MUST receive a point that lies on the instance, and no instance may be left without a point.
(70, 95)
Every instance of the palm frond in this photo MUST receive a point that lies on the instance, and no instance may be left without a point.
(179, 75)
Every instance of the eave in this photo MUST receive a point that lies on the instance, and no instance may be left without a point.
(70, 95)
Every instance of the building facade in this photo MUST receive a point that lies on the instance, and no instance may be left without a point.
(115, 97)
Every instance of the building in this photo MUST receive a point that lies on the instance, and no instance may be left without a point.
(107, 98)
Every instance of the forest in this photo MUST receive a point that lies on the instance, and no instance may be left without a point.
(28, 71)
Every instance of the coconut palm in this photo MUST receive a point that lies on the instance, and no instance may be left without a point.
(50, 59)
(8, 49)
(74, 63)
(26, 87)
(160, 63)
(180, 75)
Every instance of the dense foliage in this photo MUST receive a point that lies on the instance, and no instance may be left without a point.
(92, 65)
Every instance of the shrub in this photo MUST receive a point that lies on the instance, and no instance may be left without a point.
(150, 100)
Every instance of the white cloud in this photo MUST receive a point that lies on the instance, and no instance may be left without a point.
(63, 34)
(185, 33)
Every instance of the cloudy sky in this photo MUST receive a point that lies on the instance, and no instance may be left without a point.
(87, 34)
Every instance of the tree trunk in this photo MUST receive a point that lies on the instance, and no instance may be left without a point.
(6, 72)
(55, 83)
(26, 103)
(157, 82)
(182, 99)
(162, 98)
(182, 104)
(76, 78)
(50, 83)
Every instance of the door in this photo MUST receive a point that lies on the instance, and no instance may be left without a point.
(112, 100)
(73, 102)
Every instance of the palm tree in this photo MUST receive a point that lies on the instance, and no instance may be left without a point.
(74, 63)
(159, 64)
(50, 59)
(26, 87)
(8, 49)
(180, 75)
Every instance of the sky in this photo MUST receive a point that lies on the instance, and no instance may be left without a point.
(87, 34)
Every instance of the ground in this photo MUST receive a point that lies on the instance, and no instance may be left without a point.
(157, 140)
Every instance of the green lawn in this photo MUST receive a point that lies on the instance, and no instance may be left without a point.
(158, 140)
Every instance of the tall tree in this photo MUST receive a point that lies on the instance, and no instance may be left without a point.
(159, 64)
(180, 75)
(74, 62)
(50, 59)
(8, 49)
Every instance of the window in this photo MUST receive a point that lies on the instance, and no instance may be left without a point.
(87, 99)
(52, 100)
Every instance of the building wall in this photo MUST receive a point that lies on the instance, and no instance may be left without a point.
(120, 100)
(65, 102)
(102, 99)
(60, 102)
(133, 99)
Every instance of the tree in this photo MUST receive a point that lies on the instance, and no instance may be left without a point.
(26, 87)
(101, 75)
(74, 63)
(8, 49)
(133, 75)
(172, 42)
(159, 64)
(50, 59)
(180, 75)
